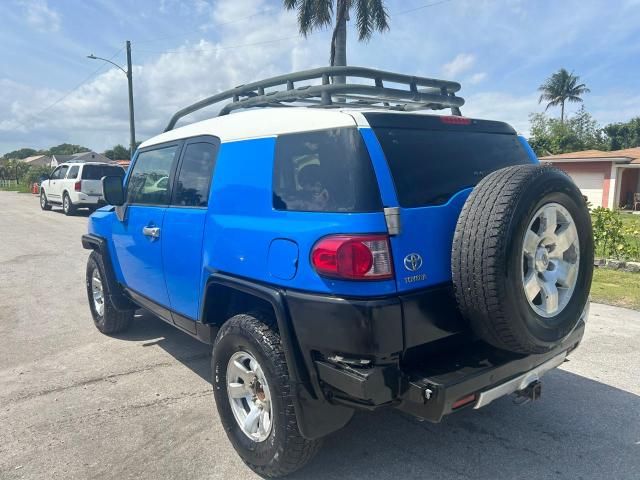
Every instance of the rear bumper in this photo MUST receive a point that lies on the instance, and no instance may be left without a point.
(92, 200)
(411, 352)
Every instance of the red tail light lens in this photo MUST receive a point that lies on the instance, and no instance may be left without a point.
(77, 186)
(455, 120)
(353, 257)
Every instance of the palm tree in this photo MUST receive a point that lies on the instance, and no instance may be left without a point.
(371, 15)
(562, 87)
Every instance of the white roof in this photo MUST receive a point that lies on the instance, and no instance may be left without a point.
(259, 123)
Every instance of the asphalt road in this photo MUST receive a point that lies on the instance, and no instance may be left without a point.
(77, 404)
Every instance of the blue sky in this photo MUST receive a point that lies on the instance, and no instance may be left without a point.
(500, 50)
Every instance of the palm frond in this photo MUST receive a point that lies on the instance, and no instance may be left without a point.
(363, 20)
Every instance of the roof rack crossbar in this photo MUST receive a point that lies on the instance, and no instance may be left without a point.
(421, 92)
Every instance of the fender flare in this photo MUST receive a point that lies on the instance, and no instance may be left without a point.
(316, 417)
(98, 244)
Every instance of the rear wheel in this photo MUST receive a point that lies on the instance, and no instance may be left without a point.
(67, 205)
(106, 317)
(44, 204)
(522, 258)
(254, 399)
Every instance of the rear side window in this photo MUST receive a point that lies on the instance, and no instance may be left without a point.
(73, 172)
(324, 171)
(96, 172)
(192, 187)
(429, 167)
(149, 179)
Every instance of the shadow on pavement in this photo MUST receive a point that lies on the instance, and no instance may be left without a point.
(187, 350)
(579, 429)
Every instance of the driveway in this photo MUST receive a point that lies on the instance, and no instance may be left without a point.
(77, 404)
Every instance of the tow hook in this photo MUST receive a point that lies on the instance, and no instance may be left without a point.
(528, 394)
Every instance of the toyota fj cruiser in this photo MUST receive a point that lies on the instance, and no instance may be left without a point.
(348, 254)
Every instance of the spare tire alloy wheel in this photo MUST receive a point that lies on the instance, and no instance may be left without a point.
(550, 259)
(522, 258)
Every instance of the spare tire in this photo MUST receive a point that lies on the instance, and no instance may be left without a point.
(522, 258)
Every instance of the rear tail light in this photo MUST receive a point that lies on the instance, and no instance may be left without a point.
(77, 186)
(353, 257)
(455, 120)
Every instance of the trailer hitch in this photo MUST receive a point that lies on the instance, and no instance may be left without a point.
(531, 392)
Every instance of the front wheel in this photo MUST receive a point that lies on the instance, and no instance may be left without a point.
(254, 399)
(106, 317)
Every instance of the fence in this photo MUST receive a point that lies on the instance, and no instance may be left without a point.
(8, 183)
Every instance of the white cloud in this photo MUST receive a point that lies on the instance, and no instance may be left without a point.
(476, 78)
(460, 64)
(96, 114)
(40, 16)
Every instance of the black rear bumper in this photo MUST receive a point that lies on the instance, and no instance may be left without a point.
(413, 352)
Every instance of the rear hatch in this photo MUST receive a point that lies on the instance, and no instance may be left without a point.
(435, 161)
(91, 180)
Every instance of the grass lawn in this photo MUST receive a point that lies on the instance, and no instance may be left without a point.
(615, 287)
(21, 188)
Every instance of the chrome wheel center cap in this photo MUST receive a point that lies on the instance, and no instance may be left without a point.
(542, 259)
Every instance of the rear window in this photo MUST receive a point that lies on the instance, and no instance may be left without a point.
(324, 171)
(96, 172)
(429, 167)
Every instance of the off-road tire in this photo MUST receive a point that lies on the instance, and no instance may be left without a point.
(112, 320)
(487, 260)
(67, 205)
(44, 203)
(285, 450)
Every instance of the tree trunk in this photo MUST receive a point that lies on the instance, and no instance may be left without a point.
(339, 39)
(562, 113)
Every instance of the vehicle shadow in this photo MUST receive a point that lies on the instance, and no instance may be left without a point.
(149, 329)
(580, 428)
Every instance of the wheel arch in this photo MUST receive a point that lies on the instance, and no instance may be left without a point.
(225, 294)
(98, 244)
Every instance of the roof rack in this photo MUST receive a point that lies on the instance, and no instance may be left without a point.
(336, 90)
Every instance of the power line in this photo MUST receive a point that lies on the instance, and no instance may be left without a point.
(433, 4)
(69, 92)
(223, 47)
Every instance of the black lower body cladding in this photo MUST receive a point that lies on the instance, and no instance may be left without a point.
(522, 258)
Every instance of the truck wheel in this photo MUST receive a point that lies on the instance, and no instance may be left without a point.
(44, 204)
(106, 317)
(67, 206)
(522, 258)
(254, 399)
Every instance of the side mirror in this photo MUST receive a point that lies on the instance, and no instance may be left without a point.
(113, 190)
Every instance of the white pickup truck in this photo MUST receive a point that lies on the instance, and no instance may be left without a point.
(77, 185)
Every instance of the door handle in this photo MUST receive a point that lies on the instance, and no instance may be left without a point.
(153, 232)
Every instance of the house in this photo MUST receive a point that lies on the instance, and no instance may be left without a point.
(123, 163)
(37, 161)
(78, 157)
(607, 179)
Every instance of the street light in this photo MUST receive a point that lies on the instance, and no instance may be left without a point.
(128, 73)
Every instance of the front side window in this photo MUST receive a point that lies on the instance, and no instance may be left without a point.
(73, 172)
(61, 172)
(192, 187)
(149, 180)
(324, 171)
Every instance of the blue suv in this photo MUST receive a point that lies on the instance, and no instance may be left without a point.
(348, 254)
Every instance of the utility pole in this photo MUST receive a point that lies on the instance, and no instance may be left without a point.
(129, 73)
(132, 128)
